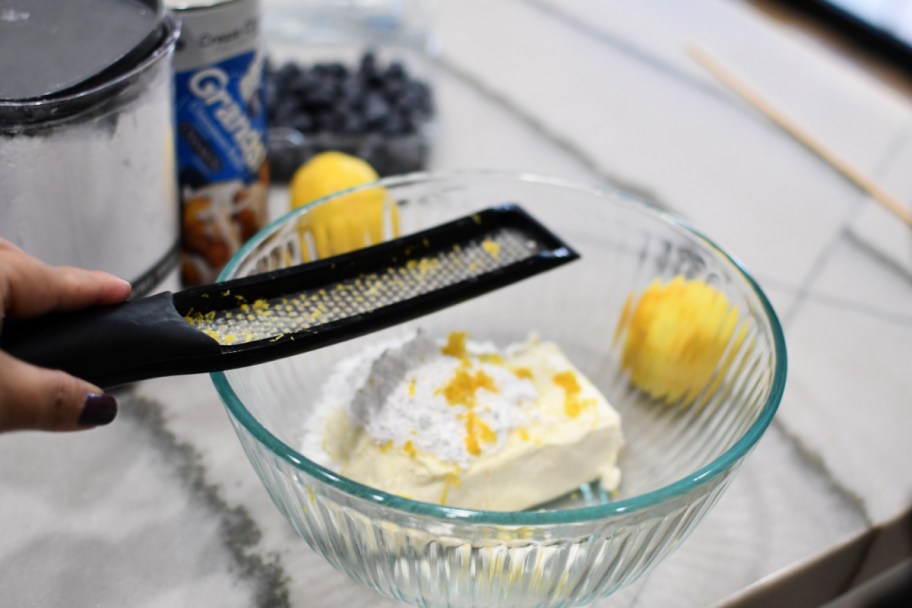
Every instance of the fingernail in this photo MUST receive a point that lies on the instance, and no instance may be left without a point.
(98, 410)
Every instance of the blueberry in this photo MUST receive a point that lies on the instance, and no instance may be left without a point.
(395, 124)
(321, 70)
(353, 123)
(369, 71)
(270, 94)
(336, 70)
(303, 84)
(368, 63)
(285, 110)
(329, 122)
(375, 109)
(396, 71)
(393, 89)
(287, 73)
(302, 122)
(353, 91)
(321, 97)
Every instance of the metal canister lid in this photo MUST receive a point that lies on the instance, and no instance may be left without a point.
(50, 48)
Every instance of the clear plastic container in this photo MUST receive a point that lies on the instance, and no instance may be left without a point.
(336, 36)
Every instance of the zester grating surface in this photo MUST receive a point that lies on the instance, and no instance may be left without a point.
(270, 319)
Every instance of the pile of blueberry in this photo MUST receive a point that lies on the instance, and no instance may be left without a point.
(372, 110)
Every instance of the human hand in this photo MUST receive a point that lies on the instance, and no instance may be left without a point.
(43, 399)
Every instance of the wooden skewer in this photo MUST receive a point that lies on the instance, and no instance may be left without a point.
(890, 202)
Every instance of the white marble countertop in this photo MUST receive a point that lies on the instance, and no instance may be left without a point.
(163, 509)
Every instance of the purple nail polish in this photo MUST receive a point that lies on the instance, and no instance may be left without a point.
(98, 410)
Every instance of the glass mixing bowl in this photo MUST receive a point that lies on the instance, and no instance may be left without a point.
(678, 458)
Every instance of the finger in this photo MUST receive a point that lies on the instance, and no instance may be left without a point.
(50, 400)
(29, 287)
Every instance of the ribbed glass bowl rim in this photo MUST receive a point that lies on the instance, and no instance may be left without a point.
(516, 518)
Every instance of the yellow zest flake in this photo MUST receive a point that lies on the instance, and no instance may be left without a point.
(411, 387)
(573, 405)
(624, 319)
(385, 446)
(310, 495)
(456, 345)
(523, 433)
(226, 293)
(523, 372)
(491, 247)
(451, 481)
(492, 358)
(260, 304)
(477, 432)
(462, 387)
(421, 267)
(409, 448)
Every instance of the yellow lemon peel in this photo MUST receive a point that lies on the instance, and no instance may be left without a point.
(677, 334)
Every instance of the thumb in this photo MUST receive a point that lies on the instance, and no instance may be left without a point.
(50, 400)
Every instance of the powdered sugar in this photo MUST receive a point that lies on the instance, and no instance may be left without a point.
(397, 392)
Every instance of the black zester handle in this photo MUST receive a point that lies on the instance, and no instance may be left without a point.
(111, 345)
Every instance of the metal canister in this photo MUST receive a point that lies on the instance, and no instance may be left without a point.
(87, 169)
(221, 131)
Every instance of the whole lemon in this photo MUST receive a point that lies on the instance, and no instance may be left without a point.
(326, 173)
(345, 223)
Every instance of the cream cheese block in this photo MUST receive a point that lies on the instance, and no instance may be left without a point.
(461, 424)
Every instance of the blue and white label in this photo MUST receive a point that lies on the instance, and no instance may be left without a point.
(221, 121)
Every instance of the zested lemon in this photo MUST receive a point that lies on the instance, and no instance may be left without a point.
(677, 334)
